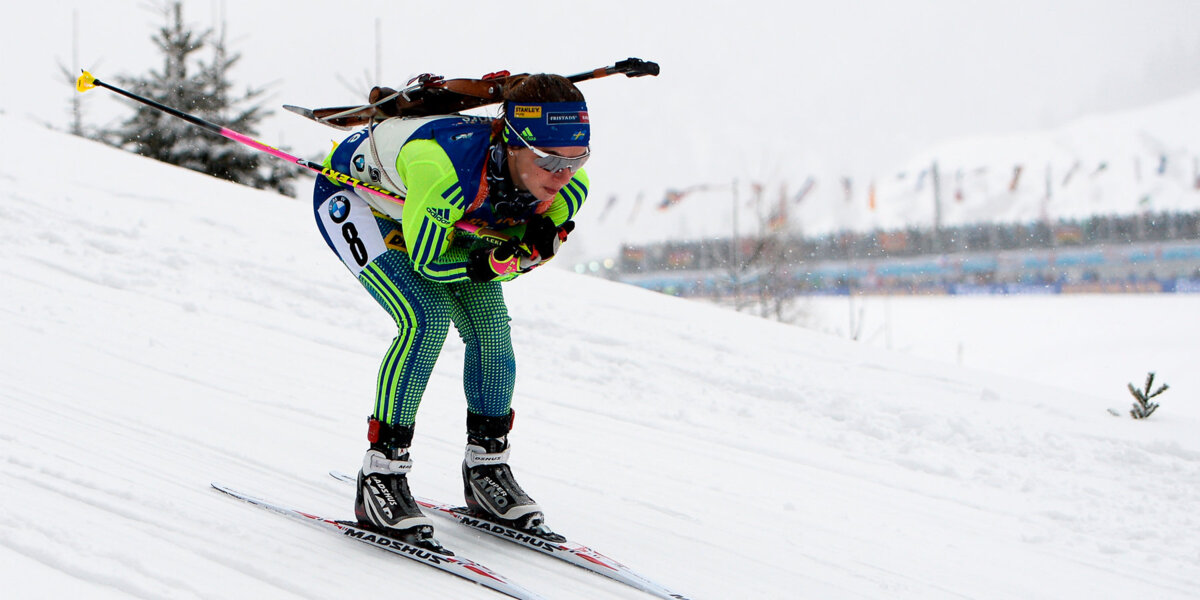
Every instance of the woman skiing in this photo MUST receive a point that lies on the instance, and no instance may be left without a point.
(519, 174)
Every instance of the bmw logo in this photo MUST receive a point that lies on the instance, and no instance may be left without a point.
(339, 209)
(360, 162)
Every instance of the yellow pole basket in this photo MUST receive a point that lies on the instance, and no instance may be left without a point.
(85, 82)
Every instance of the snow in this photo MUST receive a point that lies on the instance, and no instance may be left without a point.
(1096, 344)
(162, 330)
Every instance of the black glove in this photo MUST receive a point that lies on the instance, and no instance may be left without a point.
(486, 264)
(544, 237)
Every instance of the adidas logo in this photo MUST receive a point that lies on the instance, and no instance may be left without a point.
(441, 215)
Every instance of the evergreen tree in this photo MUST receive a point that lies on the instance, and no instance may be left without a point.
(205, 90)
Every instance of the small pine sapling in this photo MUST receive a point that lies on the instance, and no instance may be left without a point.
(1144, 407)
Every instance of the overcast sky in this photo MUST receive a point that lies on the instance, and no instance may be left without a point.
(749, 89)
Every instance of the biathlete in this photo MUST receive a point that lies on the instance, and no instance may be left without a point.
(520, 174)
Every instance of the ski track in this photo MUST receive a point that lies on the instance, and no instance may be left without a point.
(124, 517)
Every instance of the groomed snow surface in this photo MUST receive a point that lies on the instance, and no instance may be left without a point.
(162, 330)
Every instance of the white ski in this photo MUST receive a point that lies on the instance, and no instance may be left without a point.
(455, 565)
(568, 551)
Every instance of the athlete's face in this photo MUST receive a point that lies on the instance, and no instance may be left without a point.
(543, 184)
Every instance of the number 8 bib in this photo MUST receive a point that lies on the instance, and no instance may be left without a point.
(350, 228)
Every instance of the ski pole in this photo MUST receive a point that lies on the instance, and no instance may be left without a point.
(86, 82)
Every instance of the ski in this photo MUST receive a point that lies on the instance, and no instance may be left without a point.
(567, 551)
(455, 565)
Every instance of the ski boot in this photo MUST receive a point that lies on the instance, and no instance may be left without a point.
(383, 502)
(488, 483)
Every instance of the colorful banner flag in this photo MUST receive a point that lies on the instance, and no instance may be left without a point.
(671, 198)
(1016, 178)
(1070, 173)
(755, 198)
(805, 188)
(612, 201)
(779, 217)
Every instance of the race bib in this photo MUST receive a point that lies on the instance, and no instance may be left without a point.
(352, 230)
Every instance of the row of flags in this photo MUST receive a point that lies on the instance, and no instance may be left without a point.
(778, 216)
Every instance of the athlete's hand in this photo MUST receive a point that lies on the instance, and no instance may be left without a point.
(486, 264)
(545, 238)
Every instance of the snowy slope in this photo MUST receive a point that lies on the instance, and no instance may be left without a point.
(1124, 162)
(161, 330)
(1094, 344)
(976, 177)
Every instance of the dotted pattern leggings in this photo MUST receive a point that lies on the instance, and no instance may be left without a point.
(423, 311)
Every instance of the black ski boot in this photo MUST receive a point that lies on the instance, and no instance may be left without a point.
(383, 502)
(488, 483)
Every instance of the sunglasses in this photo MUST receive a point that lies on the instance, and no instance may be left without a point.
(553, 163)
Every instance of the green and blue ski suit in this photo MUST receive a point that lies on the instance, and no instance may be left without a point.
(412, 260)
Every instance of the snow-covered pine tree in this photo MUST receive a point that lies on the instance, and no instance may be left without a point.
(150, 132)
(205, 90)
(228, 159)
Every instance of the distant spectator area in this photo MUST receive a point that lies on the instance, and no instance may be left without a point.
(1152, 252)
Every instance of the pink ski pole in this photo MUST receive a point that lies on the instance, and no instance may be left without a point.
(86, 82)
